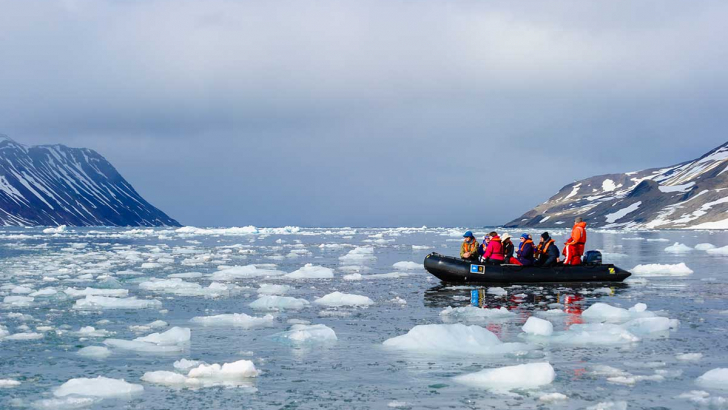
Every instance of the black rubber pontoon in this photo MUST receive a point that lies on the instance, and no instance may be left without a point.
(455, 270)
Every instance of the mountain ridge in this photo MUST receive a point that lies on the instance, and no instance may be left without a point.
(685, 195)
(54, 184)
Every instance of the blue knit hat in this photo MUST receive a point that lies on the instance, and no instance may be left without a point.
(525, 236)
(468, 234)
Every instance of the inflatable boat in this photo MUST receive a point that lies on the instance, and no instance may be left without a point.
(455, 270)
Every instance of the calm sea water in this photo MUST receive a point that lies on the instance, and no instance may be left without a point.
(356, 371)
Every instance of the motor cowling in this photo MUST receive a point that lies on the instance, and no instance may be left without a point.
(593, 258)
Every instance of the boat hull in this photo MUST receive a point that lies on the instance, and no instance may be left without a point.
(455, 270)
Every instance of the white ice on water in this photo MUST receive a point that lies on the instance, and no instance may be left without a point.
(273, 302)
(270, 289)
(714, 379)
(704, 246)
(407, 265)
(232, 273)
(105, 302)
(235, 320)
(472, 313)
(538, 327)
(523, 376)
(228, 374)
(300, 334)
(102, 387)
(94, 352)
(455, 339)
(678, 248)
(311, 271)
(175, 339)
(657, 269)
(338, 299)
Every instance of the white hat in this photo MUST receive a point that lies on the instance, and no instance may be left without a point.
(505, 236)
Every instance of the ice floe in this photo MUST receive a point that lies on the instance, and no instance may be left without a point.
(359, 255)
(273, 302)
(94, 352)
(678, 248)
(310, 271)
(269, 289)
(472, 313)
(538, 327)
(228, 374)
(102, 387)
(180, 287)
(232, 273)
(714, 379)
(455, 339)
(704, 246)
(656, 269)
(300, 334)
(105, 302)
(235, 320)
(523, 376)
(338, 299)
(406, 265)
(175, 339)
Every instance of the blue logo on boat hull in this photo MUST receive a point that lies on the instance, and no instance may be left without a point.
(477, 269)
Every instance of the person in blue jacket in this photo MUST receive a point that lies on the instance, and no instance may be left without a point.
(525, 250)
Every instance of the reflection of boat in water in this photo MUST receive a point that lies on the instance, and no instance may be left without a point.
(528, 297)
(455, 270)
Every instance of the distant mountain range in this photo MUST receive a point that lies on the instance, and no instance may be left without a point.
(693, 195)
(57, 185)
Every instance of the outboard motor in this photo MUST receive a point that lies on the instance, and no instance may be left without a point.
(593, 258)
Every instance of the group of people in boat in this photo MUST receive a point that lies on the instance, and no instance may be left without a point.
(499, 249)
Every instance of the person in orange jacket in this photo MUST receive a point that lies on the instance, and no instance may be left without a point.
(574, 247)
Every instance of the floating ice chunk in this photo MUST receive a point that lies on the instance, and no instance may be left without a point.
(58, 229)
(102, 387)
(21, 290)
(397, 404)
(185, 365)
(359, 255)
(180, 287)
(606, 371)
(609, 405)
(455, 339)
(18, 301)
(538, 327)
(704, 246)
(103, 302)
(338, 299)
(714, 379)
(8, 383)
(689, 357)
(523, 376)
(71, 402)
(310, 271)
(186, 275)
(656, 269)
(241, 369)
(594, 334)
(353, 276)
(76, 293)
(94, 352)
(645, 325)
(43, 292)
(551, 312)
(173, 340)
(552, 397)
(173, 336)
(307, 334)
(405, 265)
(472, 313)
(703, 398)
(497, 291)
(678, 248)
(603, 312)
(157, 324)
(268, 289)
(243, 272)
(166, 378)
(90, 331)
(24, 336)
(272, 302)
(398, 300)
(630, 380)
(235, 319)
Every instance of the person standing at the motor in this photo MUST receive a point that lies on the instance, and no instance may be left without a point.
(574, 247)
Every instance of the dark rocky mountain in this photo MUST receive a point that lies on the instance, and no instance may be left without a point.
(57, 185)
(693, 194)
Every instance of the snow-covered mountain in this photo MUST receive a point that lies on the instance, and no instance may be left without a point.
(57, 185)
(693, 194)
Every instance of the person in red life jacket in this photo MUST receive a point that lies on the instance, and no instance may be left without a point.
(469, 248)
(525, 250)
(508, 248)
(547, 254)
(574, 247)
(493, 252)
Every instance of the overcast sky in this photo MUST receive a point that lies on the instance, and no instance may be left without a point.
(365, 113)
